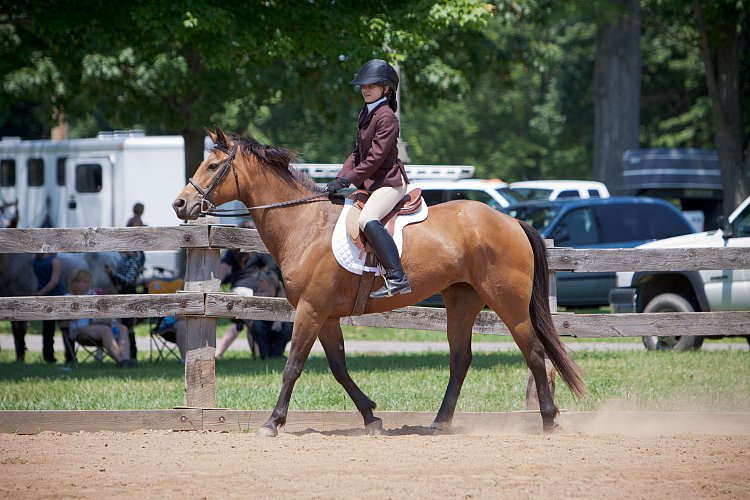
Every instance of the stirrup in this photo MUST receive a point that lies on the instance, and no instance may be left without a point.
(389, 289)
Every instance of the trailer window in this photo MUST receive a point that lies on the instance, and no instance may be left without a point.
(61, 170)
(88, 178)
(7, 173)
(35, 168)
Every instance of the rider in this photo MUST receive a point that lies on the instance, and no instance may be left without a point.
(374, 166)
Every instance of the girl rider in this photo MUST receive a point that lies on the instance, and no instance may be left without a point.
(374, 166)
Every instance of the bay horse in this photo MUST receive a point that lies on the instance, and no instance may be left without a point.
(470, 253)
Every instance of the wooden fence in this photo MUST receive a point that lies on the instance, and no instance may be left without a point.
(202, 303)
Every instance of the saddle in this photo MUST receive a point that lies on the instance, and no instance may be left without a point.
(409, 204)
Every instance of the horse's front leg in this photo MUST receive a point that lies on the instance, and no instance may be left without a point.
(305, 331)
(332, 341)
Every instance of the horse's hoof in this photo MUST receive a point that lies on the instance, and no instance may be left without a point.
(267, 432)
(555, 428)
(374, 428)
(440, 427)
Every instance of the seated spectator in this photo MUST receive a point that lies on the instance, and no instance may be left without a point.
(178, 325)
(98, 329)
(125, 277)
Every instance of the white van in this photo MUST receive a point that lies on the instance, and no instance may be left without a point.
(553, 190)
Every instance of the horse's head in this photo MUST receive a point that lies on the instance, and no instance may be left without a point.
(207, 188)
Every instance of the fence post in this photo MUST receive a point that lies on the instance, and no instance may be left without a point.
(201, 269)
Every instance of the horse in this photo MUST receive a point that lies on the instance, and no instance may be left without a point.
(470, 253)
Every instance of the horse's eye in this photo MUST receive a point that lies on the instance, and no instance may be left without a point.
(213, 166)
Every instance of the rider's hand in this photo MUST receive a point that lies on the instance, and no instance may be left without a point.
(337, 184)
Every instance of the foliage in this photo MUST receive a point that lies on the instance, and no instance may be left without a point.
(171, 67)
(675, 109)
(506, 85)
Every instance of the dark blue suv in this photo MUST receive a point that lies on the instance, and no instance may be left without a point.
(618, 222)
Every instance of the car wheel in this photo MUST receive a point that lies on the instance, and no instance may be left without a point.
(670, 302)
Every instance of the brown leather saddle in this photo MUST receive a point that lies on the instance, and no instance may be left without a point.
(409, 204)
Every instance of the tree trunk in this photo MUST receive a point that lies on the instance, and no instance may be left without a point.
(617, 86)
(194, 149)
(722, 78)
(193, 136)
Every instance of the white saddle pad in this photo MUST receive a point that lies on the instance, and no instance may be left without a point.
(346, 251)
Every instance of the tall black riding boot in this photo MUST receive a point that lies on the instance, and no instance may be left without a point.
(396, 282)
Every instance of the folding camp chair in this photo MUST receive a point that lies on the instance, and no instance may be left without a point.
(93, 350)
(163, 338)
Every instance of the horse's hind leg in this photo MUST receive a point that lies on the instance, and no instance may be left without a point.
(332, 341)
(462, 305)
(533, 352)
(538, 366)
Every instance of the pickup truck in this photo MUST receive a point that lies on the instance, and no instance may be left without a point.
(689, 291)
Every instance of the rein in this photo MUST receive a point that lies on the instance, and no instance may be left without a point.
(208, 208)
(216, 212)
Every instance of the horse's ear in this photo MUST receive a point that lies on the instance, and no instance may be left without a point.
(221, 139)
(211, 135)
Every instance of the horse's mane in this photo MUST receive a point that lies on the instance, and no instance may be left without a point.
(278, 159)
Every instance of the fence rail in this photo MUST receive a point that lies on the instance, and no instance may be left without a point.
(202, 303)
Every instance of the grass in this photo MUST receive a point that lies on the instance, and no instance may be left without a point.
(641, 380)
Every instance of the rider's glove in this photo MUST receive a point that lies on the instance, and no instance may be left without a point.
(337, 184)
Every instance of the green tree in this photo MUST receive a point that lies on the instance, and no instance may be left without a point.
(617, 87)
(174, 67)
(675, 108)
(724, 28)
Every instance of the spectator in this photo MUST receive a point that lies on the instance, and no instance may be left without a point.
(178, 325)
(98, 329)
(48, 271)
(19, 339)
(271, 336)
(258, 276)
(241, 270)
(136, 220)
(125, 277)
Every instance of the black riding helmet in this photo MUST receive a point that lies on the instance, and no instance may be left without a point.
(376, 72)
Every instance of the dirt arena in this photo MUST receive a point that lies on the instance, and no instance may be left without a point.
(607, 459)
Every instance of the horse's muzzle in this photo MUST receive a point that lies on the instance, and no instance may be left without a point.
(186, 209)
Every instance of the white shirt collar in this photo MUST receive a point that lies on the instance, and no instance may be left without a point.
(372, 105)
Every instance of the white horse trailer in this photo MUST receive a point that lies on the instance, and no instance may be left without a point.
(93, 182)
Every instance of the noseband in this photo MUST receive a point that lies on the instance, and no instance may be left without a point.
(206, 205)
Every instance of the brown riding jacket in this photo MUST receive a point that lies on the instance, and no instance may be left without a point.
(374, 162)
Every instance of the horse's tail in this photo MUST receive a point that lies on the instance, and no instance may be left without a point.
(541, 317)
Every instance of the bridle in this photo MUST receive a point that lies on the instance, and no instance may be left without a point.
(208, 208)
(206, 205)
